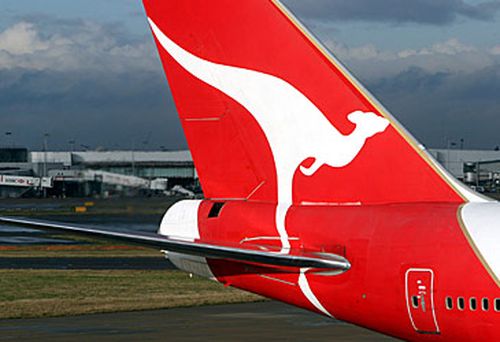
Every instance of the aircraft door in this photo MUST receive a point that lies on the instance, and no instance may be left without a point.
(420, 300)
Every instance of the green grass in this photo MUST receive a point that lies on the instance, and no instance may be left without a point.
(43, 293)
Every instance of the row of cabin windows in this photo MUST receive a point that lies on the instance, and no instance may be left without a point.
(473, 304)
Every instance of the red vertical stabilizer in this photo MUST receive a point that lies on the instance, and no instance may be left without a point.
(270, 115)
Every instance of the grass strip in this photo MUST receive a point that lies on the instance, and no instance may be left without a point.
(48, 293)
(82, 251)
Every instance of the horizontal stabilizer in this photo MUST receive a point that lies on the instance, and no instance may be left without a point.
(209, 250)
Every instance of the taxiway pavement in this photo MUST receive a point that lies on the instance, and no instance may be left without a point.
(265, 321)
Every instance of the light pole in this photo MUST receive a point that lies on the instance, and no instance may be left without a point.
(45, 148)
(72, 144)
(449, 145)
(133, 157)
(7, 135)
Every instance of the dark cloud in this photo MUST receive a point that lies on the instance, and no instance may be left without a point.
(95, 109)
(441, 106)
(83, 81)
(435, 12)
(97, 85)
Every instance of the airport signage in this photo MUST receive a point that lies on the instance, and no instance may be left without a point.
(21, 181)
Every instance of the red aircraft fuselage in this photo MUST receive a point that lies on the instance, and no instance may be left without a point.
(397, 252)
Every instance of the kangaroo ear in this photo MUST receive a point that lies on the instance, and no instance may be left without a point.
(355, 117)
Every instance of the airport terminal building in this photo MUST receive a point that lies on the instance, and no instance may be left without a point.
(129, 173)
(480, 169)
(94, 173)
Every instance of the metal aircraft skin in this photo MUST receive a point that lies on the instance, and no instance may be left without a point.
(315, 195)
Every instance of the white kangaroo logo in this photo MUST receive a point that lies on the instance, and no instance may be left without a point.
(295, 128)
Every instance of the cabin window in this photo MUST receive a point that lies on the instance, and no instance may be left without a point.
(485, 304)
(414, 302)
(473, 304)
(461, 303)
(497, 304)
(215, 210)
(449, 303)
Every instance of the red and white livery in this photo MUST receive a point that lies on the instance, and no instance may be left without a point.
(315, 195)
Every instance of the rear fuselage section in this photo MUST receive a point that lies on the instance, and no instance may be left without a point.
(417, 272)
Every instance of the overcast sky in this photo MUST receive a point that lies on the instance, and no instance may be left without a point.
(87, 71)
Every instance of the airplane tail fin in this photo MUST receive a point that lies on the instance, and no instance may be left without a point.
(271, 115)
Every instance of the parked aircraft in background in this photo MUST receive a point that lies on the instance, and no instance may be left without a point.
(315, 195)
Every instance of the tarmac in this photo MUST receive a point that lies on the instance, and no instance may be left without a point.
(90, 263)
(266, 321)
